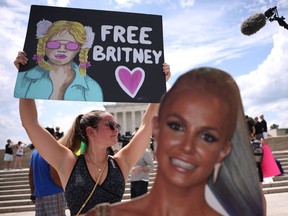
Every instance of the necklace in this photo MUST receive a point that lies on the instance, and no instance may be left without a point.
(99, 167)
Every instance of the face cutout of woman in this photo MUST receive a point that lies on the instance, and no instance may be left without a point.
(193, 137)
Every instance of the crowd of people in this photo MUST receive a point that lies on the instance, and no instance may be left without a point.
(267, 165)
(14, 153)
(257, 129)
(10, 155)
(197, 153)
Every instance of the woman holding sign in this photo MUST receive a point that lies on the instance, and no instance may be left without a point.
(94, 177)
(56, 76)
(196, 147)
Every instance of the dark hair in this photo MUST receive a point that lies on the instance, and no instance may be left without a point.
(31, 146)
(110, 151)
(50, 130)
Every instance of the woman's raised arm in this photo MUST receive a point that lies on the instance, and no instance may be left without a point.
(45, 143)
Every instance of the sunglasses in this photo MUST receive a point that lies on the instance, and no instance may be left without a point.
(72, 46)
(112, 125)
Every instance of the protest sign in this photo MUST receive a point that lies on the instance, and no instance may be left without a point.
(92, 55)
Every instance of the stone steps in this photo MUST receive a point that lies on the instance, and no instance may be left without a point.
(15, 192)
(22, 208)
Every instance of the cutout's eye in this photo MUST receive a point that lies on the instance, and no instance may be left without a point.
(207, 137)
(175, 126)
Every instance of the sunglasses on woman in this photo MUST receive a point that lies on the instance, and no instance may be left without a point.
(111, 124)
(71, 46)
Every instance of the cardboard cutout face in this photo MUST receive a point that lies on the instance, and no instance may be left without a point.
(92, 55)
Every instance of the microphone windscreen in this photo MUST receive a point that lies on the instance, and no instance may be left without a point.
(253, 24)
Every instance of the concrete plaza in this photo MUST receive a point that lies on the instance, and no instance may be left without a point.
(276, 206)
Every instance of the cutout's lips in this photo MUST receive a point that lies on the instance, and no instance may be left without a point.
(182, 164)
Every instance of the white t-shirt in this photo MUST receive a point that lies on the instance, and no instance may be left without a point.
(20, 150)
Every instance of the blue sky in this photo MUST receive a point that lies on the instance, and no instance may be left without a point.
(196, 33)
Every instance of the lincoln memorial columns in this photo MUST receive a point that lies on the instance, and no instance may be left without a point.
(128, 115)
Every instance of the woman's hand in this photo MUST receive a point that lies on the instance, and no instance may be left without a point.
(20, 59)
(166, 70)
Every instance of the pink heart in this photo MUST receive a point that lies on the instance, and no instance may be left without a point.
(130, 81)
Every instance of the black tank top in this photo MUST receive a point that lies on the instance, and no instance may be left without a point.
(80, 185)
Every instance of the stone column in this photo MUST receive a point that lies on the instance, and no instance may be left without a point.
(133, 121)
(116, 116)
(124, 123)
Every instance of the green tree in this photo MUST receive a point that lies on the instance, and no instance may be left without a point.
(274, 126)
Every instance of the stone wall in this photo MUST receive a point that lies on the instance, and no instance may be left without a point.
(277, 132)
(279, 143)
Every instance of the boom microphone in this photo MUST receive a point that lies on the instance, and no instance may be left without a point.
(257, 21)
(253, 24)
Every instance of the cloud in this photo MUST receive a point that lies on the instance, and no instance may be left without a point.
(126, 3)
(60, 3)
(265, 89)
(212, 41)
(187, 3)
(63, 113)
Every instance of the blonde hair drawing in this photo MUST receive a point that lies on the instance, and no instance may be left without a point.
(84, 36)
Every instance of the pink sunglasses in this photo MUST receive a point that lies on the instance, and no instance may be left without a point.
(72, 46)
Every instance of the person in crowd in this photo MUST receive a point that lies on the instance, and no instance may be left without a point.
(282, 172)
(58, 134)
(125, 139)
(20, 150)
(117, 147)
(264, 126)
(45, 186)
(251, 127)
(258, 129)
(258, 154)
(196, 147)
(135, 130)
(152, 147)
(269, 165)
(56, 74)
(94, 177)
(8, 155)
(139, 175)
